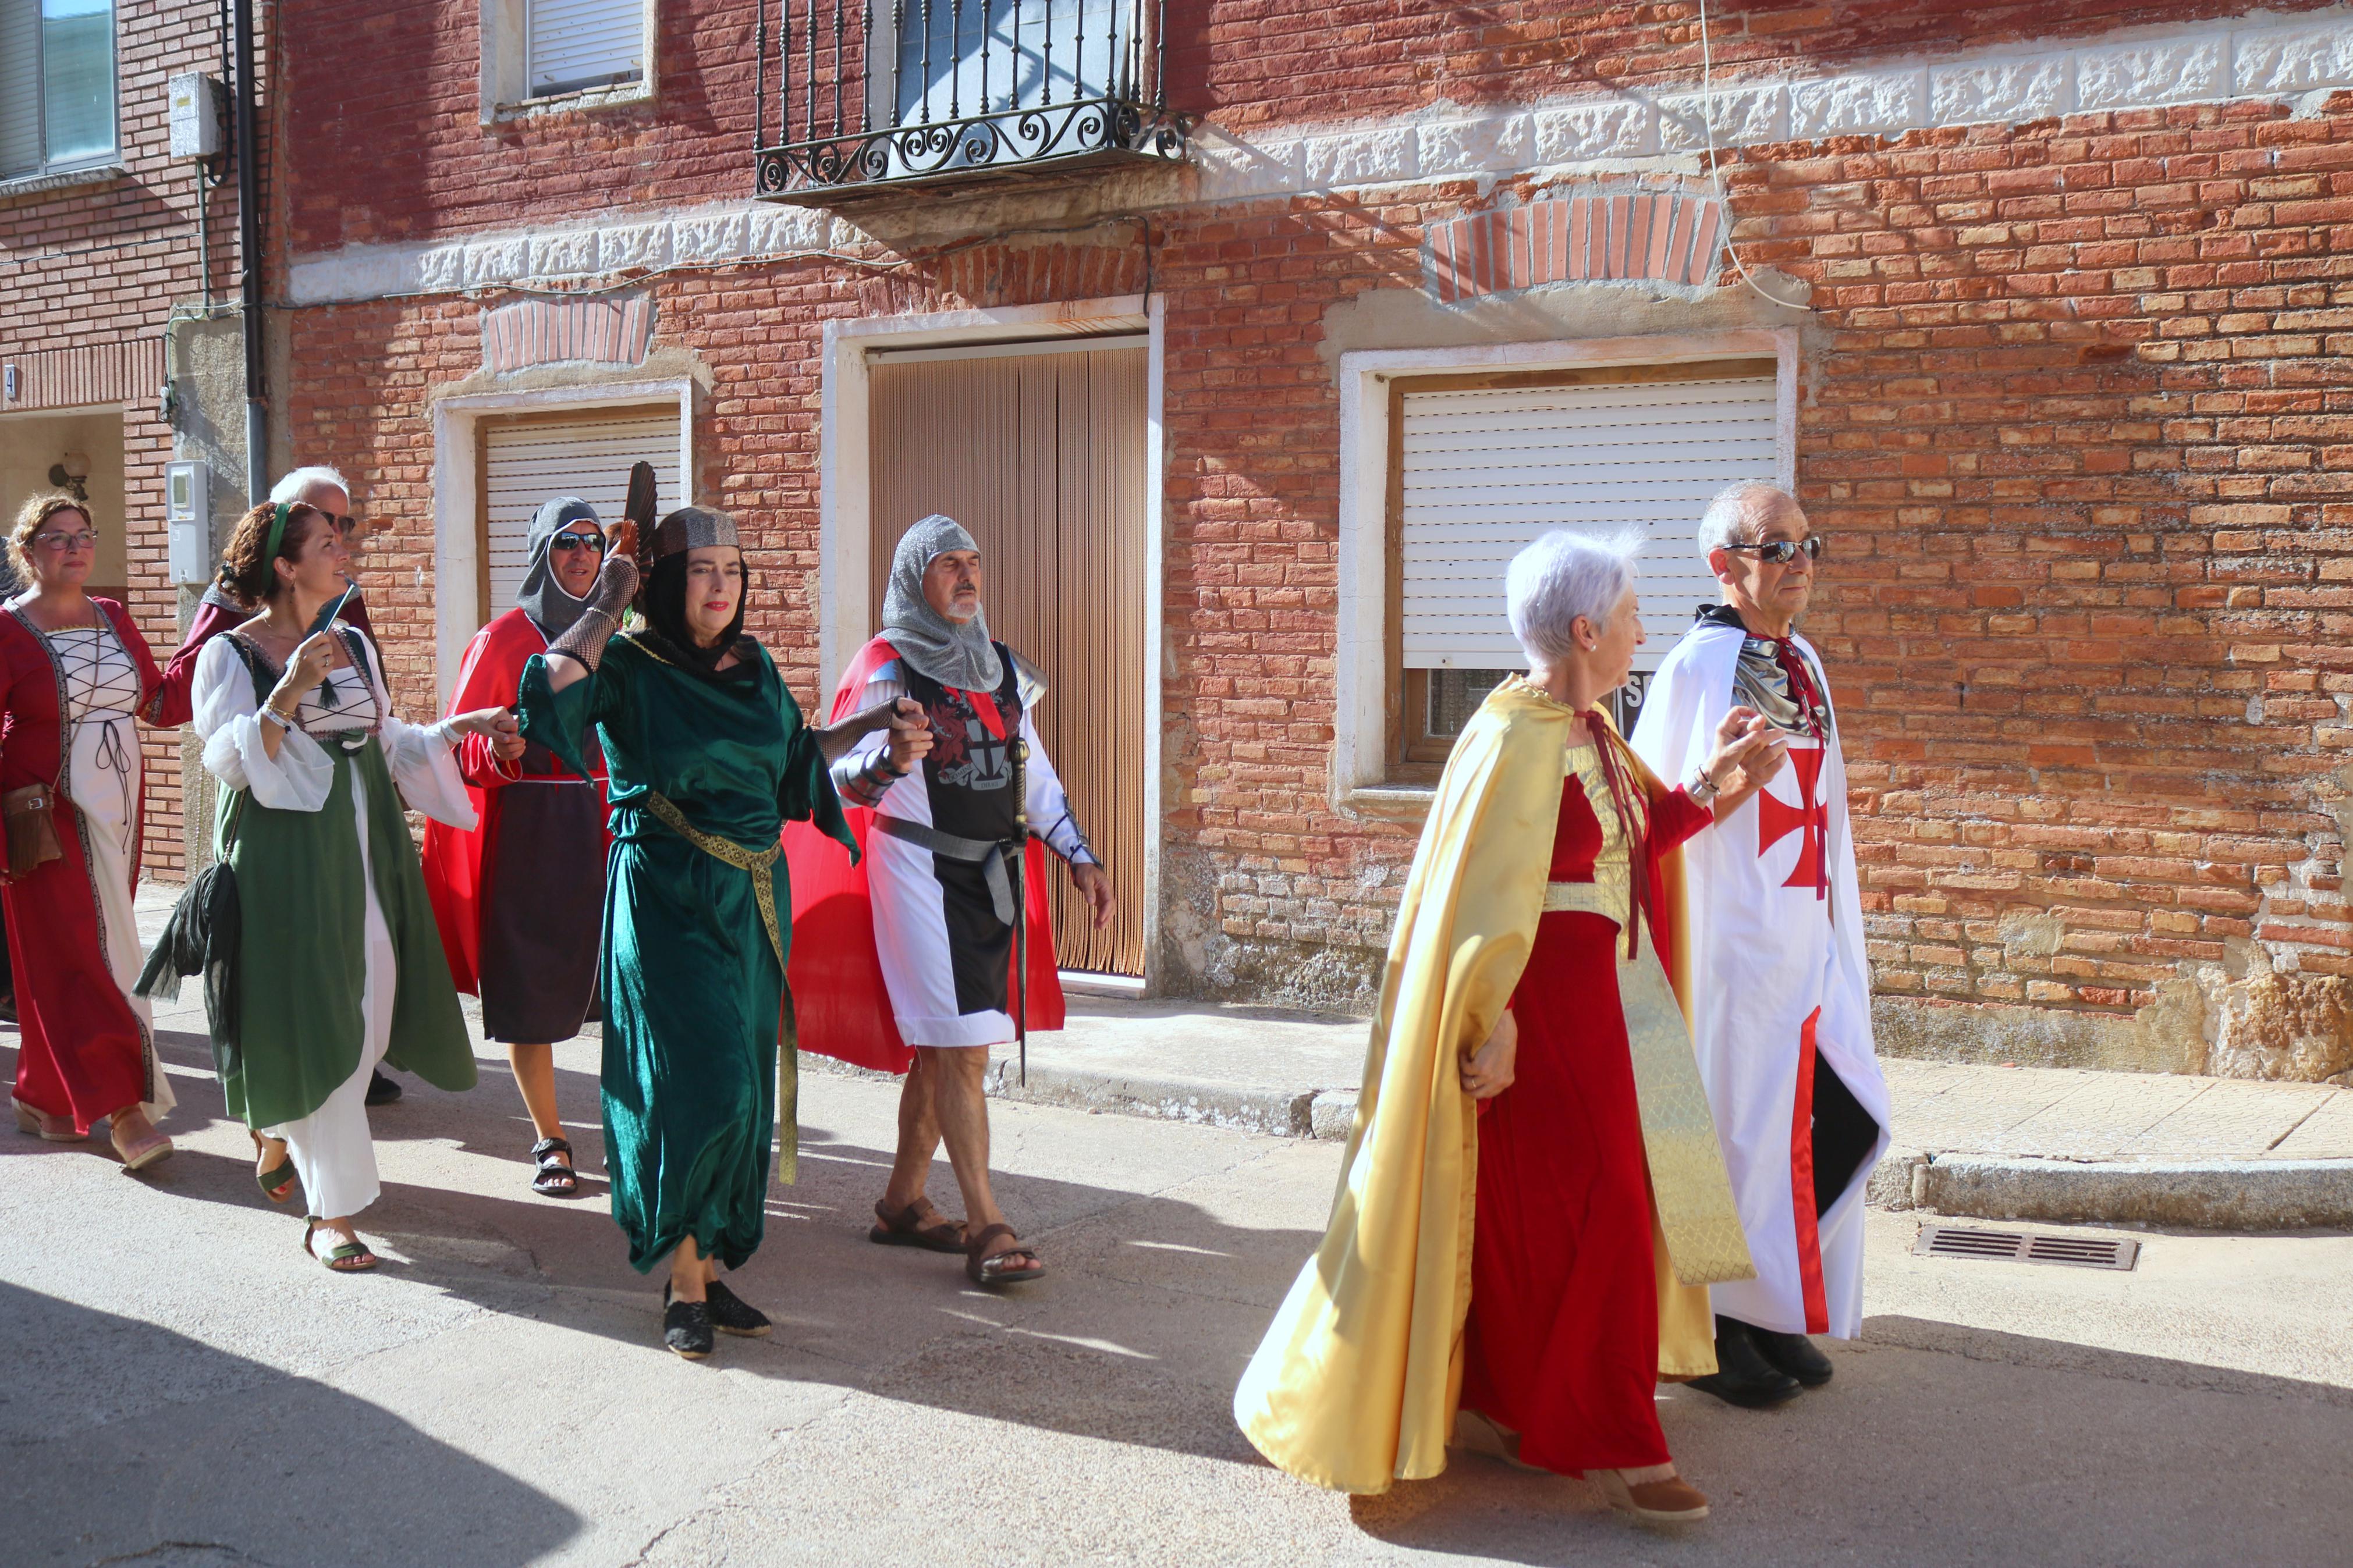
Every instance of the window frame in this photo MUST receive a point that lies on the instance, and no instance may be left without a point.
(1358, 782)
(651, 408)
(1414, 754)
(505, 89)
(111, 157)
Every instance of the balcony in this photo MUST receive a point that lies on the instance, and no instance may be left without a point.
(871, 96)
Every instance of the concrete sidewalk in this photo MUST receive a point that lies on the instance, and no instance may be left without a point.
(1999, 1142)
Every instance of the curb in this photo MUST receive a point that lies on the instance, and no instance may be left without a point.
(2219, 1194)
(1288, 1113)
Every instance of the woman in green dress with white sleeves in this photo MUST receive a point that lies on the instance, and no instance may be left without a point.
(708, 758)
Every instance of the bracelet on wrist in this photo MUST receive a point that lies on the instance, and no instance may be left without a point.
(1703, 789)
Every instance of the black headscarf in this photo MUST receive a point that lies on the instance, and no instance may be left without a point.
(664, 600)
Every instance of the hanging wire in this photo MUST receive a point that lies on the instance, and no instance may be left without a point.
(1715, 174)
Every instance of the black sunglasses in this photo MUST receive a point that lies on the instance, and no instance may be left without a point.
(594, 541)
(1781, 552)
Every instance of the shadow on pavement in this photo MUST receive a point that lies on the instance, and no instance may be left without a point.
(172, 1450)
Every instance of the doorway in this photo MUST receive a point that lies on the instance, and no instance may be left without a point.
(1040, 450)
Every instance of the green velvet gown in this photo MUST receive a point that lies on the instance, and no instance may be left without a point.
(699, 1047)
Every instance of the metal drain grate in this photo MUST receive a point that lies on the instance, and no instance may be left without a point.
(2025, 1247)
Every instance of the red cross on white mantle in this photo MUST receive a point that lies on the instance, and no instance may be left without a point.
(1776, 821)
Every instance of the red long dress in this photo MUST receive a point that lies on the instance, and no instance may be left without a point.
(1562, 1341)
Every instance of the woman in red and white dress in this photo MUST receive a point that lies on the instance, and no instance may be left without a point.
(75, 679)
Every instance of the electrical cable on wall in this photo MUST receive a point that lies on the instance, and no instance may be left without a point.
(1715, 174)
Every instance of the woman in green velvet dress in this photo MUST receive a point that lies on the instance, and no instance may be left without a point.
(708, 758)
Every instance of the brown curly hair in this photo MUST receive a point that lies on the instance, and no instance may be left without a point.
(30, 519)
(245, 576)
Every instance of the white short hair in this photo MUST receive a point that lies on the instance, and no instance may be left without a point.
(289, 489)
(1564, 575)
(1730, 517)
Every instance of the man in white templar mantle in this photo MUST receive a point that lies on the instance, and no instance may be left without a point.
(1781, 1016)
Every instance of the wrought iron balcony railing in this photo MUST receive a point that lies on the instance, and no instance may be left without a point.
(877, 94)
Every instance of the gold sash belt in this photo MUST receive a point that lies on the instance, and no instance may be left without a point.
(1605, 897)
(762, 864)
(1689, 1184)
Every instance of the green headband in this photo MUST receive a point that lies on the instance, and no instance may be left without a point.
(277, 532)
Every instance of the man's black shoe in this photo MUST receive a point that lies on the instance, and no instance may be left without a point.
(1743, 1376)
(686, 1329)
(383, 1091)
(1792, 1353)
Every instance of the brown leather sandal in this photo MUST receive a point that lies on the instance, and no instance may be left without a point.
(917, 1224)
(986, 1268)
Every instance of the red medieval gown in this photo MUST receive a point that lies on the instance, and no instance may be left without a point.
(519, 899)
(83, 1052)
(1562, 1341)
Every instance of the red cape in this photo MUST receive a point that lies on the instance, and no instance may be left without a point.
(840, 1002)
(454, 858)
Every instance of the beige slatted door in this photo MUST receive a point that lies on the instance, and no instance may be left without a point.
(1041, 457)
(586, 454)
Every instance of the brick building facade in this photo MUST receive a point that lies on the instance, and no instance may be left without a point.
(2041, 312)
(118, 341)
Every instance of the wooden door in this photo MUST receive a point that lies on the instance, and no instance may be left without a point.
(1041, 457)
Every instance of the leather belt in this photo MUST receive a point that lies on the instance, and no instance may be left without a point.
(988, 854)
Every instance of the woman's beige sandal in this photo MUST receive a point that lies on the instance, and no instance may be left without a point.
(986, 1265)
(150, 1149)
(55, 1128)
(1671, 1501)
(1477, 1433)
(345, 1257)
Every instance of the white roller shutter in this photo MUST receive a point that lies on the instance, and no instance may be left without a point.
(20, 87)
(578, 44)
(525, 464)
(1485, 471)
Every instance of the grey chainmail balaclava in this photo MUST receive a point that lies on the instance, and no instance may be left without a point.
(954, 654)
(542, 596)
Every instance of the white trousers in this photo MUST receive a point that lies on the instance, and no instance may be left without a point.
(333, 1152)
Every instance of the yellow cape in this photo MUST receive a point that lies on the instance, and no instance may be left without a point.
(1355, 1383)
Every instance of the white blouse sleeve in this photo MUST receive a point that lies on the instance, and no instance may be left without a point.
(1050, 817)
(297, 779)
(422, 758)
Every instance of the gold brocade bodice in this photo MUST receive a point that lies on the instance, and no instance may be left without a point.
(1610, 892)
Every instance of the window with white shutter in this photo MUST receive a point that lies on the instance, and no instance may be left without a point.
(586, 454)
(1482, 465)
(573, 45)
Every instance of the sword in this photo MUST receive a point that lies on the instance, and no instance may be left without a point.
(1020, 752)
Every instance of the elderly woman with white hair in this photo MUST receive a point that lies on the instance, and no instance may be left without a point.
(1532, 1199)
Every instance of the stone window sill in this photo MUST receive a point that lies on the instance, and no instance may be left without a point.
(62, 179)
(1388, 803)
(569, 102)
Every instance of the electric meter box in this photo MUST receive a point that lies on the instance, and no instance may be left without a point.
(199, 112)
(187, 509)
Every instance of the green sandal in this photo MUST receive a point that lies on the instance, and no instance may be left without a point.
(348, 1258)
(278, 1182)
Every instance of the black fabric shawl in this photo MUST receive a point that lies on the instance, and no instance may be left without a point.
(665, 608)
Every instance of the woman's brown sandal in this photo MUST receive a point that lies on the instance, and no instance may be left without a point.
(917, 1224)
(984, 1267)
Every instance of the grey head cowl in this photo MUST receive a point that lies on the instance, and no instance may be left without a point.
(956, 654)
(542, 596)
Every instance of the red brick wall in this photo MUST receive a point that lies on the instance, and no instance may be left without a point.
(106, 262)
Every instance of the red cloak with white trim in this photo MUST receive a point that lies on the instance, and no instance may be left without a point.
(841, 1005)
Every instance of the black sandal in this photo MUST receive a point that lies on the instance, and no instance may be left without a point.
(557, 1177)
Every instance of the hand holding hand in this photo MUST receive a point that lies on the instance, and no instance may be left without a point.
(496, 725)
(911, 732)
(1488, 1071)
(1095, 888)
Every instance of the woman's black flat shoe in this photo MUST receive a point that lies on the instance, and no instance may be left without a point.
(731, 1314)
(686, 1329)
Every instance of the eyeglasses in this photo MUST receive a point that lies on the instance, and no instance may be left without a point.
(78, 541)
(1781, 552)
(346, 525)
(569, 542)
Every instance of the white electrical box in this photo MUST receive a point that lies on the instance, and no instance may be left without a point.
(187, 509)
(199, 110)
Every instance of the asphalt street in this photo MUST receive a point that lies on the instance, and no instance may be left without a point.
(184, 1386)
